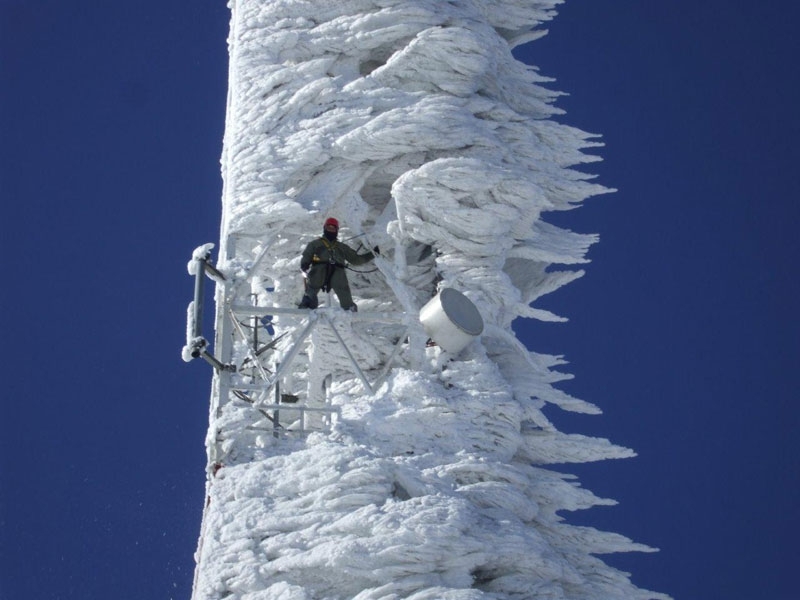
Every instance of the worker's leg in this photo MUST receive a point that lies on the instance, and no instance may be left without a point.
(342, 288)
(313, 284)
(309, 299)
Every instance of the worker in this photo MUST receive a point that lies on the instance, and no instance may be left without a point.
(324, 263)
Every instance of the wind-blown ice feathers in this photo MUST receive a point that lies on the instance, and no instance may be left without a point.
(413, 124)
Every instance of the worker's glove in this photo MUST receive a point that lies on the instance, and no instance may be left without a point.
(376, 250)
(304, 267)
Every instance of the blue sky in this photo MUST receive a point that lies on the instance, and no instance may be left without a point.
(683, 329)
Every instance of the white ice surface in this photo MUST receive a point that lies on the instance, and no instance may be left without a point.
(412, 123)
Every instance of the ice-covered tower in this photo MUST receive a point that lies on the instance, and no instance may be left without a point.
(378, 454)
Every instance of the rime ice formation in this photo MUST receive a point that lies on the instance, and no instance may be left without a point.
(412, 473)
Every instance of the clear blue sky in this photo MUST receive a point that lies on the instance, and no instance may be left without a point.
(683, 329)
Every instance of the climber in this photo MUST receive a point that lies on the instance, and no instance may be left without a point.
(324, 262)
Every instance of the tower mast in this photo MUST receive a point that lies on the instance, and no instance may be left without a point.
(400, 451)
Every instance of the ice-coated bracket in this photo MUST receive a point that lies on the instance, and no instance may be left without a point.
(196, 345)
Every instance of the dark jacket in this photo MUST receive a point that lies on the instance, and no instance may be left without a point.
(326, 260)
(324, 251)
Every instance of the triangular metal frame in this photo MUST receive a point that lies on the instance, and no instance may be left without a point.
(315, 317)
(230, 325)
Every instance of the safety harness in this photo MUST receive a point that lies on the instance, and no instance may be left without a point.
(331, 265)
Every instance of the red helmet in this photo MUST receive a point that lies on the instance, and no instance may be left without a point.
(331, 221)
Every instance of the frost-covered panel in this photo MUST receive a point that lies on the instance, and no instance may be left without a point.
(349, 456)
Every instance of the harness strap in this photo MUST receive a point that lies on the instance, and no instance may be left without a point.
(330, 266)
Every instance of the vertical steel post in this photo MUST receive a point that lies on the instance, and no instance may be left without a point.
(276, 414)
(199, 288)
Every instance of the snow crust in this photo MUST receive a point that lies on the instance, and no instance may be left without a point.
(412, 123)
